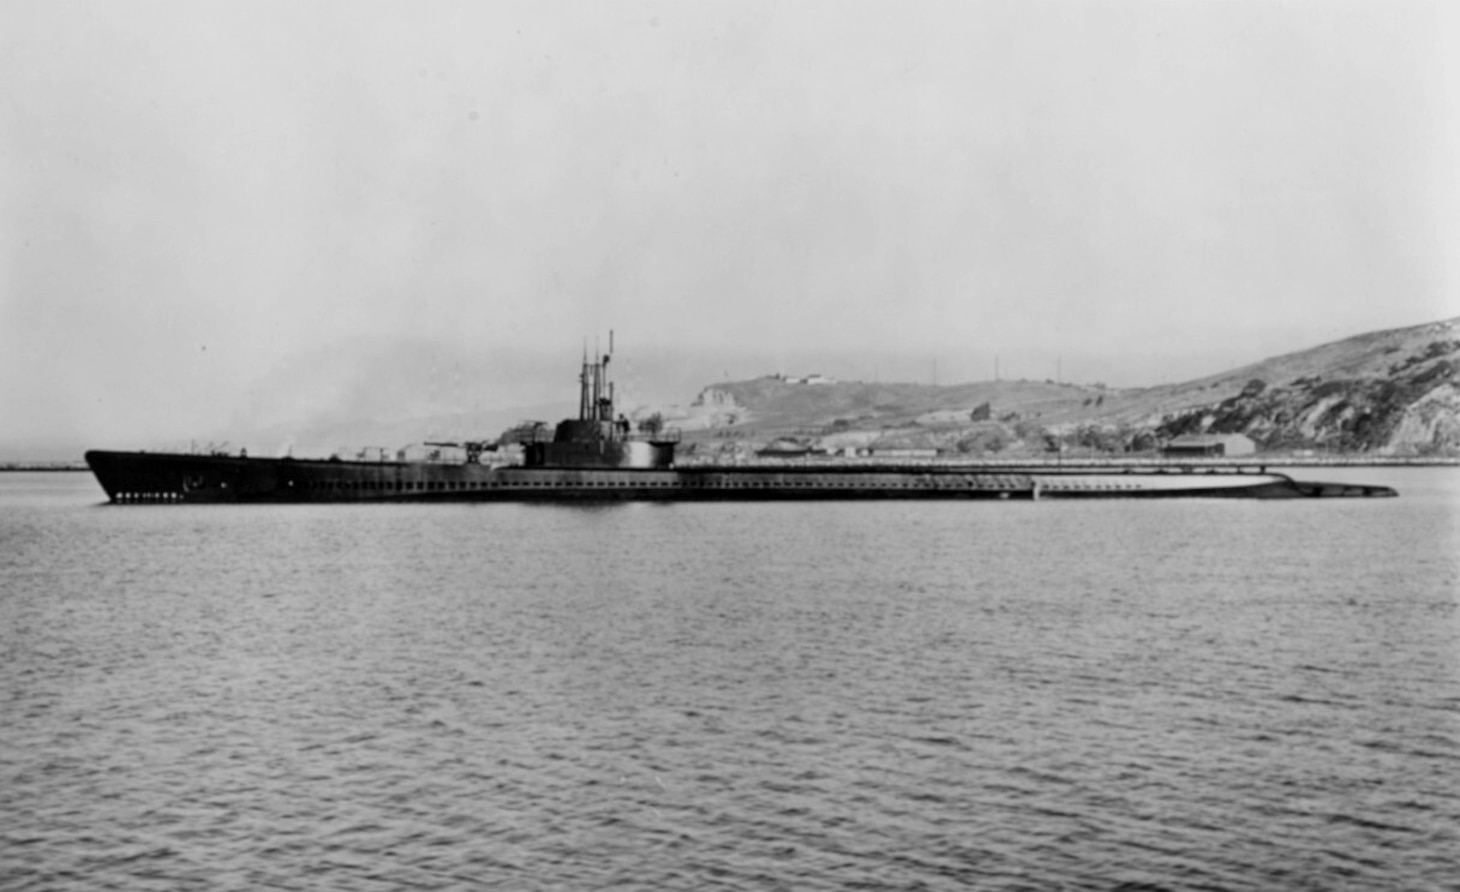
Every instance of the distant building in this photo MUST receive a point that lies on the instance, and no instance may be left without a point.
(905, 453)
(1210, 446)
(784, 449)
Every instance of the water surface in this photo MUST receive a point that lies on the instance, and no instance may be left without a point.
(1200, 694)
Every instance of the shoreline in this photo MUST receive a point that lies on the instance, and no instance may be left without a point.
(1246, 462)
(67, 466)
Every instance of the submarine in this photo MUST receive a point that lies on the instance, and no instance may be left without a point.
(601, 456)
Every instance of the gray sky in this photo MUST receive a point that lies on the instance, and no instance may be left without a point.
(215, 208)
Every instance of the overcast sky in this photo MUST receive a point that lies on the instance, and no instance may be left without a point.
(203, 202)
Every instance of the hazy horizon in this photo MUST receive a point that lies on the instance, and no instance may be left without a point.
(214, 213)
(430, 387)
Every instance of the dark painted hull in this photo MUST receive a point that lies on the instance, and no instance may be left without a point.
(159, 478)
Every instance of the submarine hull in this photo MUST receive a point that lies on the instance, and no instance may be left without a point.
(176, 478)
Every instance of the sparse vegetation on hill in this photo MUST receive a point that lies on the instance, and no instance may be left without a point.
(1411, 411)
(1389, 393)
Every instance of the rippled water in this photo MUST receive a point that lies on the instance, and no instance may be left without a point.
(1168, 695)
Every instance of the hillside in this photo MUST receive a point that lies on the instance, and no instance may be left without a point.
(1385, 393)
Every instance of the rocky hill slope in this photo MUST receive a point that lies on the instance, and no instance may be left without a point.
(1384, 393)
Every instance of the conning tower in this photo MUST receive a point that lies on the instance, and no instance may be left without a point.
(599, 437)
